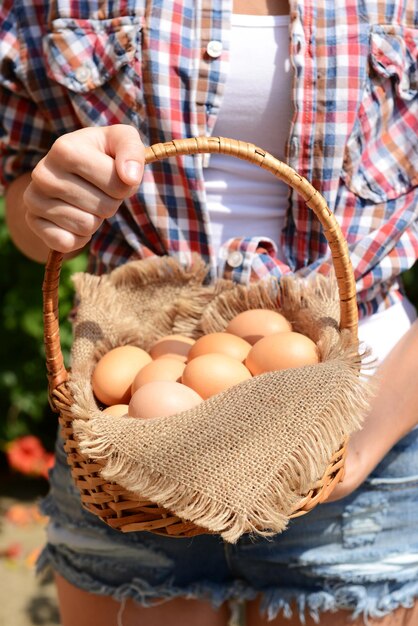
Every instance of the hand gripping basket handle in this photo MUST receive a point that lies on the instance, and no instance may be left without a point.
(57, 373)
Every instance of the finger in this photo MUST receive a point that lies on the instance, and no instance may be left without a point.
(49, 183)
(125, 145)
(76, 221)
(86, 161)
(55, 237)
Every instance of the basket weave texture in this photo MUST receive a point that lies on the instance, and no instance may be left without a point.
(245, 460)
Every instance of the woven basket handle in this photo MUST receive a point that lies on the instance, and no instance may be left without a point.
(57, 373)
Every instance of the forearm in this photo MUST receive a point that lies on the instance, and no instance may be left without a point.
(23, 237)
(393, 413)
(394, 409)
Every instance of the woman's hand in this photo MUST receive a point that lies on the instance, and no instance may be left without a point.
(82, 181)
(358, 465)
(393, 413)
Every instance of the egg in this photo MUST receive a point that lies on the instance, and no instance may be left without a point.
(117, 410)
(173, 346)
(222, 343)
(162, 398)
(113, 375)
(281, 351)
(254, 324)
(209, 374)
(161, 369)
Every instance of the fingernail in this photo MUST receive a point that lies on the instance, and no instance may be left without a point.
(133, 171)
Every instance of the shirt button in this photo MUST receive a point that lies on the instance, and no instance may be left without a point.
(235, 258)
(404, 84)
(214, 49)
(82, 73)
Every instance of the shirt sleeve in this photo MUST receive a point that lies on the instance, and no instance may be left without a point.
(25, 135)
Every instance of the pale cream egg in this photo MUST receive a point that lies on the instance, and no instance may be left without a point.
(162, 398)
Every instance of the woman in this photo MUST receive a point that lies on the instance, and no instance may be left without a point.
(336, 105)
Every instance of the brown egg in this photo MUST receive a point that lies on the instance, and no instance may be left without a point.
(254, 324)
(160, 369)
(172, 346)
(281, 351)
(222, 343)
(117, 410)
(113, 375)
(212, 373)
(162, 398)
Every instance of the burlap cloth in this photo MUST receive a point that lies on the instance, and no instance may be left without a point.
(240, 461)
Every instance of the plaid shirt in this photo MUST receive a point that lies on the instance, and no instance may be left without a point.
(66, 64)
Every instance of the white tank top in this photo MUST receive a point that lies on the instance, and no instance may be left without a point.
(243, 200)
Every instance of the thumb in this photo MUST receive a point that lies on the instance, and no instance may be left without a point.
(126, 147)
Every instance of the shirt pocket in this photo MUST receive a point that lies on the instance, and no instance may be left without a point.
(381, 157)
(98, 64)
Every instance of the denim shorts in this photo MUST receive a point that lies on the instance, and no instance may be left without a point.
(359, 553)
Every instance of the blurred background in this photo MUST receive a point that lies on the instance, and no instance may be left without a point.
(28, 428)
(27, 432)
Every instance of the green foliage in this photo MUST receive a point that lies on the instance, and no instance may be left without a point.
(23, 385)
(410, 280)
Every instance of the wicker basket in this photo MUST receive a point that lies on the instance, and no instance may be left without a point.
(116, 506)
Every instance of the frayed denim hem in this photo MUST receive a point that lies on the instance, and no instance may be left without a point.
(234, 594)
(374, 601)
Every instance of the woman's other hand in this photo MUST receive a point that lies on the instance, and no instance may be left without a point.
(393, 413)
(356, 468)
(82, 180)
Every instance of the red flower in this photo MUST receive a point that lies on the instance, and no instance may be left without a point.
(28, 456)
(13, 551)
